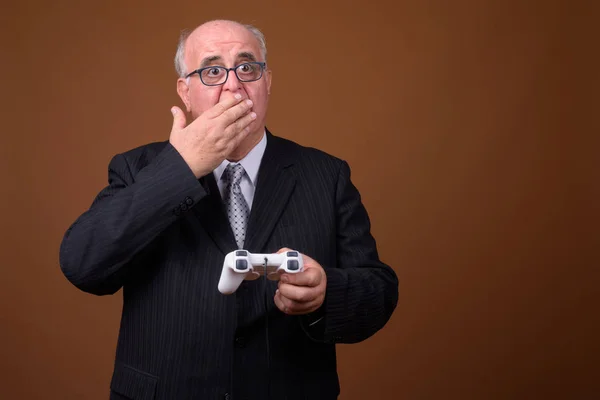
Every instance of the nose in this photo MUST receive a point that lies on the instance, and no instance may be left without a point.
(233, 84)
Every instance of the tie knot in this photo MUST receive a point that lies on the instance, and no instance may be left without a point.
(233, 173)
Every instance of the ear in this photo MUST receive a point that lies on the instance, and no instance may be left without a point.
(183, 90)
(268, 77)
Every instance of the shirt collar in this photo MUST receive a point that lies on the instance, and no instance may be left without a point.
(251, 162)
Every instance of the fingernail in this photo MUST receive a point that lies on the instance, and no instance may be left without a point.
(238, 96)
(285, 279)
(253, 115)
(173, 111)
(249, 102)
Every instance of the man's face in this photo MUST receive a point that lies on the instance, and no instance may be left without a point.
(228, 45)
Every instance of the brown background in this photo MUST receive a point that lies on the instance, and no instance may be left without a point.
(472, 129)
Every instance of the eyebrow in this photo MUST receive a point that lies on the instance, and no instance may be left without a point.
(243, 55)
(209, 60)
(247, 55)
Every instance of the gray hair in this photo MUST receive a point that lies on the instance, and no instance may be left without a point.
(180, 66)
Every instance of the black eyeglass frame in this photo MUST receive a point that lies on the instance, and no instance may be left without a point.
(262, 66)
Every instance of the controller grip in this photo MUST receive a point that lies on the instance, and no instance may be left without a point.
(230, 281)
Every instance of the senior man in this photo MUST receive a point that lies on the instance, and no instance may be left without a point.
(171, 212)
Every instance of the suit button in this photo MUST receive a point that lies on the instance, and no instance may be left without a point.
(227, 396)
(177, 211)
(189, 201)
(240, 342)
(183, 207)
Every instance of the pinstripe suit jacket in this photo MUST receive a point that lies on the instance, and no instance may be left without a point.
(161, 234)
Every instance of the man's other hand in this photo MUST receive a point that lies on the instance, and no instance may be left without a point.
(303, 292)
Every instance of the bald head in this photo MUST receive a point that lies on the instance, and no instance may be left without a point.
(211, 31)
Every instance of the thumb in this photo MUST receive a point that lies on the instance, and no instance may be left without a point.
(178, 119)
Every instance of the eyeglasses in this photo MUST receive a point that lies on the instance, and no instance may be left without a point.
(216, 75)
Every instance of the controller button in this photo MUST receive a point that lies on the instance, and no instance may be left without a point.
(292, 254)
(241, 265)
(241, 253)
(293, 265)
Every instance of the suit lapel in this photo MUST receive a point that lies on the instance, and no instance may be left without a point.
(274, 186)
(212, 216)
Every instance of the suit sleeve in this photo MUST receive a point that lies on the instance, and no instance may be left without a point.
(97, 249)
(362, 292)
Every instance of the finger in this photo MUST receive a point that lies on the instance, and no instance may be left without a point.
(178, 119)
(309, 277)
(292, 307)
(223, 106)
(236, 112)
(301, 294)
(283, 249)
(279, 302)
(239, 126)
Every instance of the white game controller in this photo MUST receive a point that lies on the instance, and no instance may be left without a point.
(240, 265)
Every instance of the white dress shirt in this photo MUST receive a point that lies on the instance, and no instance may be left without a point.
(251, 164)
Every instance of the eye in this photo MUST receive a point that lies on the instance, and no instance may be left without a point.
(212, 72)
(246, 68)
